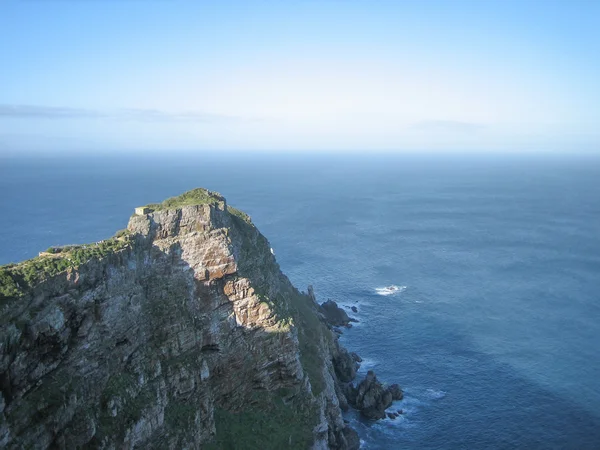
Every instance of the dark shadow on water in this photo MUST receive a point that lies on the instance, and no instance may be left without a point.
(483, 403)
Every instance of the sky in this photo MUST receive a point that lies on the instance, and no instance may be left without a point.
(313, 75)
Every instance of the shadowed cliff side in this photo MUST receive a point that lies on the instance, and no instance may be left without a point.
(179, 332)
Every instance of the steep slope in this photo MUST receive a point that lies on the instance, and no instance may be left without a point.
(180, 332)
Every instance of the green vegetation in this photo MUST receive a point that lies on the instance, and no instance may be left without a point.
(52, 394)
(180, 414)
(122, 233)
(131, 399)
(17, 279)
(267, 423)
(240, 214)
(311, 338)
(8, 286)
(290, 306)
(199, 196)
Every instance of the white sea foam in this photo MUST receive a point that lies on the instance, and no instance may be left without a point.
(366, 364)
(435, 394)
(360, 323)
(390, 290)
(402, 420)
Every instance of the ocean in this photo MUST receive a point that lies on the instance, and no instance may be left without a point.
(494, 330)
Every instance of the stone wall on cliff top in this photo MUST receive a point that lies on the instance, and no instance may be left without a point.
(184, 335)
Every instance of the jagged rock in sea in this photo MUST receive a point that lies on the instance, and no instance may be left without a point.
(355, 357)
(179, 332)
(334, 315)
(396, 392)
(371, 397)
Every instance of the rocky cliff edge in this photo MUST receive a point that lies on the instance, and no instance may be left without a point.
(179, 332)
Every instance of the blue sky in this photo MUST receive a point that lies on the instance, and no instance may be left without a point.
(300, 75)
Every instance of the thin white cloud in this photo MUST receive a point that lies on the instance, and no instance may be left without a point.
(142, 115)
(46, 112)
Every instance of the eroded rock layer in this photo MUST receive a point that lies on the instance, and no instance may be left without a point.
(183, 334)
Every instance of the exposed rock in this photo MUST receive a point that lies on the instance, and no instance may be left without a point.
(355, 357)
(372, 397)
(352, 439)
(344, 405)
(159, 342)
(396, 392)
(354, 309)
(334, 315)
(311, 295)
(345, 366)
(350, 392)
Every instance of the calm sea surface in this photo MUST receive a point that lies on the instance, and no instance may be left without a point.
(494, 333)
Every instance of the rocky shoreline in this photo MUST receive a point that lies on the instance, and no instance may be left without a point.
(370, 396)
(179, 332)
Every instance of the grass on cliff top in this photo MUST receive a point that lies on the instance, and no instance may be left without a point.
(17, 279)
(240, 214)
(198, 196)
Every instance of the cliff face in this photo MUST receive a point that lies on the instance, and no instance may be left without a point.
(180, 333)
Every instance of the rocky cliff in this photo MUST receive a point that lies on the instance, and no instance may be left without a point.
(179, 332)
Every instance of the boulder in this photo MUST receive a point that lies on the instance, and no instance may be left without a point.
(372, 397)
(335, 315)
(355, 357)
(396, 392)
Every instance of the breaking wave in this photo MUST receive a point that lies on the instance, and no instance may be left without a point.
(390, 290)
(435, 394)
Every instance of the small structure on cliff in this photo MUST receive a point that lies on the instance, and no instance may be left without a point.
(142, 210)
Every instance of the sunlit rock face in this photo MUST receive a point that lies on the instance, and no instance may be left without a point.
(166, 342)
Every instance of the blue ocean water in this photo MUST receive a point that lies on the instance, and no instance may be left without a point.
(494, 334)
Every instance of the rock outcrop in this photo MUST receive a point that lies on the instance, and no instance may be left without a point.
(334, 315)
(180, 332)
(371, 397)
